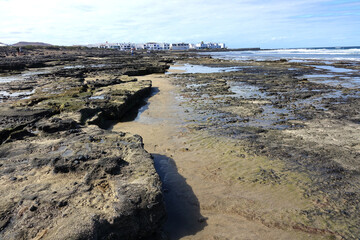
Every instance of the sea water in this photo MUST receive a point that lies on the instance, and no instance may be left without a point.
(305, 54)
(323, 72)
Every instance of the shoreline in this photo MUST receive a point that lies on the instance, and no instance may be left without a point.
(260, 151)
(252, 178)
(290, 133)
(62, 176)
(198, 197)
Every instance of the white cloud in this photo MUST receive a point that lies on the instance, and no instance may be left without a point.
(238, 23)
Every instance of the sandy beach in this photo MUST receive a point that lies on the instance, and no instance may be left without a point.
(203, 199)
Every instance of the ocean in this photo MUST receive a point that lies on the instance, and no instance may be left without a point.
(322, 54)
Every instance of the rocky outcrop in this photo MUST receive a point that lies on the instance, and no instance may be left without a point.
(62, 174)
(80, 183)
(13, 120)
(276, 113)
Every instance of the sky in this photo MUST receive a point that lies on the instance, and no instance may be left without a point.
(237, 23)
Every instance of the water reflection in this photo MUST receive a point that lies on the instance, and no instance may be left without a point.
(134, 113)
(189, 68)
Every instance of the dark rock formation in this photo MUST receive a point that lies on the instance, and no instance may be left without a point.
(63, 177)
(82, 183)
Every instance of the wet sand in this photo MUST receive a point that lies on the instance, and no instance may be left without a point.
(203, 194)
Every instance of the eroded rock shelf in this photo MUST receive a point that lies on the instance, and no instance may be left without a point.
(63, 175)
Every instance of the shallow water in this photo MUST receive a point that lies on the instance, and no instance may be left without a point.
(343, 82)
(334, 80)
(300, 60)
(334, 76)
(23, 95)
(334, 69)
(16, 94)
(189, 68)
(270, 117)
(136, 113)
(25, 75)
(320, 75)
(183, 165)
(38, 71)
(350, 82)
(245, 90)
(196, 85)
(100, 97)
(160, 120)
(83, 66)
(74, 66)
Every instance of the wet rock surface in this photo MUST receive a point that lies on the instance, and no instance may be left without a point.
(63, 176)
(277, 110)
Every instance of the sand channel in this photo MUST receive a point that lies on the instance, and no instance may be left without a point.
(204, 197)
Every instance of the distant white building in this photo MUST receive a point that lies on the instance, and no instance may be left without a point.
(140, 46)
(154, 46)
(125, 46)
(180, 46)
(222, 45)
(164, 46)
(119, 46)
(157, 46)
(201, 45)
(104, 45)
(210, 45)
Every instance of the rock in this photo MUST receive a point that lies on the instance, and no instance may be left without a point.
(77, 180)
(56, 124)
(13, 121)
(117, 195)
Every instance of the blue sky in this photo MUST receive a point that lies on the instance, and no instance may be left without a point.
(241, 23)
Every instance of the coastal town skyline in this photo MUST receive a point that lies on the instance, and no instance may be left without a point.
(159, 46)
(123, 46)
(265, 24)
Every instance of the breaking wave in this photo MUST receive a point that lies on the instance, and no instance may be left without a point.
(333, 54)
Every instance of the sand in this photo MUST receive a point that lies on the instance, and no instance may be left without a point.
(204, 198)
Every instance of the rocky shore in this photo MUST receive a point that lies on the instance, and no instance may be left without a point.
(63, 175)
(285, 132)
(244, 149)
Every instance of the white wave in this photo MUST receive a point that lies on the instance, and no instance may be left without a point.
(352, 54)
(352, 51)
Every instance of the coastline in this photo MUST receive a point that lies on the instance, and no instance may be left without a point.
(244, 180)
(250, 149)
(62, 175)
(285, 134)
(201, 202)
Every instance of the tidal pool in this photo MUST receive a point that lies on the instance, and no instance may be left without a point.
(189, 68)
